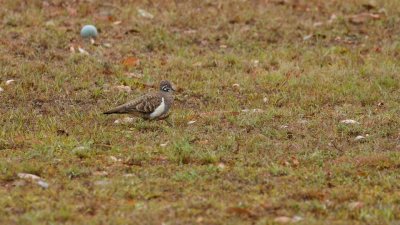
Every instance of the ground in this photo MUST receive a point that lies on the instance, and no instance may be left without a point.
(268, 84)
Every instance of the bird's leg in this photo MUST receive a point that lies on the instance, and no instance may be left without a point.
(169, 123)
(166, 119)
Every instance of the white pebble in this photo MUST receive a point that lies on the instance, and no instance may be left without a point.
(305, 38)
(123, 88)
(83, 51)
(1, 89)
(101, 183)
(108, 45)
(145, 14)
(113, 158)
(125, 120)
(43, 184)
(348, 121)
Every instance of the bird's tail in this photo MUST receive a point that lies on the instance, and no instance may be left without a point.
(118, 110)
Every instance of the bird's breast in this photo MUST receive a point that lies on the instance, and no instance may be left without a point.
(159, 110)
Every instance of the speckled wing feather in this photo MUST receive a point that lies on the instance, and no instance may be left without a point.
(145, 104)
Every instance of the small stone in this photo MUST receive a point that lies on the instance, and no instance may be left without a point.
(191, 122)
(332, 18)
(348, 121)
(355, 205)
(83, 51)
(134, 75)
(258, 110)
(72, 49)
(101, 182)
(43, 184)
(125, 120)
(223, 46)
(79, 149)
(265, 100)
(100, 173)
(283, 219)
(303, 121)
(123, 88)
(143, 13)
(318, 24)
(1, 89)
(113, 158)
(307, 37)
(129, 175)
(107, 45)
(50, 23)
(221, 166)
(297, 219)
(284, 126)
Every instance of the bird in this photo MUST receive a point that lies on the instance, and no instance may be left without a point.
(151, 106)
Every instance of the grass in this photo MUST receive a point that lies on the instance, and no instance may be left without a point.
(289, 158)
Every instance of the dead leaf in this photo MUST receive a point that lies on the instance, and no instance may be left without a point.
(285, 219)
(117, 22)
(363, 17)
(100, 173)
(134, 75)
(355, 205)
(28, 176)
(130, 62)
(9, 82)
(240, 211)
(295, 161)
(72, 11)
(191, 122)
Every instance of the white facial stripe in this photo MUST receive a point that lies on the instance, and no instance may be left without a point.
(159, 110)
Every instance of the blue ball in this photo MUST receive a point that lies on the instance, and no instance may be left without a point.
(89, 31)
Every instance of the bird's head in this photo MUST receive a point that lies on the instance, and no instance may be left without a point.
(166, 86)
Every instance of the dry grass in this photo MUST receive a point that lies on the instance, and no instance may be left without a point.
(292, 157)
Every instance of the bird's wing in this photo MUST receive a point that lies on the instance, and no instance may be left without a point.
(148, 103)
(144, 104)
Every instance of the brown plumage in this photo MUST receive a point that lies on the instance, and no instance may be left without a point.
(149, 106)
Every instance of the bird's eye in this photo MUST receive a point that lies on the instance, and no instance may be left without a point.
(165, 88)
